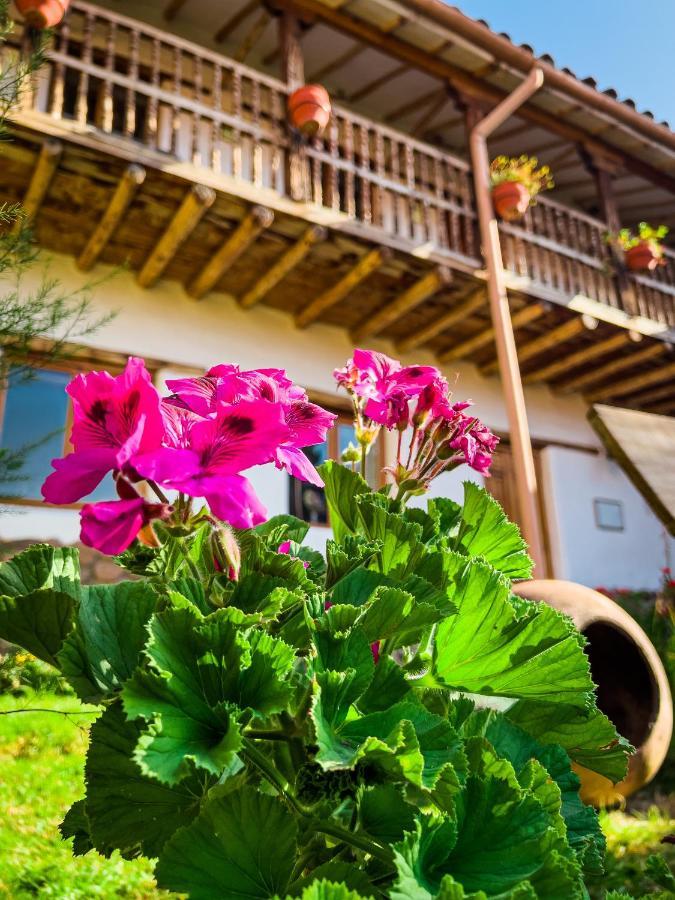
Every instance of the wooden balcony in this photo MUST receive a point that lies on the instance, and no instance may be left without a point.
(398, 212)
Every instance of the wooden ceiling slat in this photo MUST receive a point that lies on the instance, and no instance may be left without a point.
(625, 361)
(564, 332)
(424, 288)
(465, 348)
(294, 255)
(236, 20)
(635, 383)
(376, 83)
(460, 312)
(573, 360)
(340, 61)
(45, 169)
(126, 190)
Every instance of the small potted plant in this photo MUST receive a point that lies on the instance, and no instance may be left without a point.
(309, 109)
(42, 13)
(643, 251)
(516, 181)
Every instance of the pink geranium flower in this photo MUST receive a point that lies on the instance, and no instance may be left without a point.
(113, 419)
(113, 526)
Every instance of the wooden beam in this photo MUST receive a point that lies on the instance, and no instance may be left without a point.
(664, 409)
(173, 9)
(552, 338)
(45, 168)
(294, 255)
(652, 396)
(430, 114)
(376, 83)
(440, 68)
(477, 342)
(232, 24)
(618, 364)
(252, 36)
(255, 222)
(342, 60)
(634, 384)
(420, 291)
(571, 361)
(367, 264)
(458, 313)
(127, 187)
(181, 226)
(411, 106)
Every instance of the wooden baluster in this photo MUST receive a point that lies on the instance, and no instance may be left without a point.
(217, 103)
(378, 190)
(198, 79)
(278, 129)
(425, 187)
(152, 115)
(177, 93)
(236, 135)
(59, 80)
(550, 232)
(104, 115)
(132, 72)
(441, 226)
(398, 202)
(82, 104)
(257, 164)
(331, 185)
(414, 210)
(366, 210)
(349, 188)
(452, 177)
(468, 220)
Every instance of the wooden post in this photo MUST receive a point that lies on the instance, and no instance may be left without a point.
(367, 264)
(458, 313)
(45, 168)
(293, 73)
(425, 287)
(129, 183)
(487, 336)
(549, 339)
(257, 220)
(181, 226)
(283, 266)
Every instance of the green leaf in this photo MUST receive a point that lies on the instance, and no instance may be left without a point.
(329, 890)
(394, 614)
(241, 846)
(486, 649)
(587, 735)
(342, 487)
(200, 673)
(39, 622)
(658, 870)
(290, 527)
(401, 547)
(76, 825)
(339, 879)
(384, 813)
(447, 513)
(41, 567)
(388, 686)
(127, 810)
(103, 649)
(485, 531)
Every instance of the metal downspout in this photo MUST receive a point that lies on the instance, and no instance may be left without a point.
(526, 478)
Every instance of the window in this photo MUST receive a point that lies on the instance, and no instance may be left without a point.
(308, 502)
(35, 415)
(608, 514)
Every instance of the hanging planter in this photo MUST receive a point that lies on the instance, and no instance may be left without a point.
(42, 13)
(642, 252)
(516, 181)
(309, 109)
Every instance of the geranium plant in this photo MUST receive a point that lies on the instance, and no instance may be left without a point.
(643, 250)
(384, 720)
(515, 182)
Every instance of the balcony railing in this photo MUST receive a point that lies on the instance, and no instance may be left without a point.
(121, 77)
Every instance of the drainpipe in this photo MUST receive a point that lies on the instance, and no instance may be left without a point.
(526, 478)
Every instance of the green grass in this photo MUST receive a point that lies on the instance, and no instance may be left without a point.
(41, 774)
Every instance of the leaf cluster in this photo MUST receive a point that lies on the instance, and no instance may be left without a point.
(385, 721)
(522, 169)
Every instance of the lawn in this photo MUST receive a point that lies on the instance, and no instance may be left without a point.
(41, 773)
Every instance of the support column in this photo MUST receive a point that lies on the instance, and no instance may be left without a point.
(293, 73)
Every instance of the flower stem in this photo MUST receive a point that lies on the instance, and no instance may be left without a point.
(363, 461)
(158, 491)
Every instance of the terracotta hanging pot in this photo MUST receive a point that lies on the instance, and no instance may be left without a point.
(42, 13)
(511, 200)
(309, 109)
(642, 258)
(633, 687)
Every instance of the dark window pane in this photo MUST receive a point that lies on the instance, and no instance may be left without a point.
(34, 418)
(306, 501)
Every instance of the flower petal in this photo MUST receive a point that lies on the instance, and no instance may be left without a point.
(78, 474)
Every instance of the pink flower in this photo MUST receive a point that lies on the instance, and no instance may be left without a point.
(113, 419)
(112, 527)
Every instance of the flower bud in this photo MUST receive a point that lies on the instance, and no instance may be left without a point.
(226, 550)
(350, 454)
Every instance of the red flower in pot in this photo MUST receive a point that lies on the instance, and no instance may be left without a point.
(515, 183)
(309, 109)
(642, 252)
(42, 13)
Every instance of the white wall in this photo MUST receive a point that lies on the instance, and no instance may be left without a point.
(583, 552)
(163, 323)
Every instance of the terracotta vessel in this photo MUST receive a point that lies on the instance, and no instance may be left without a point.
(309, 109)
(42, 13)
(632, 683)
(511, 200)
(642, 258)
